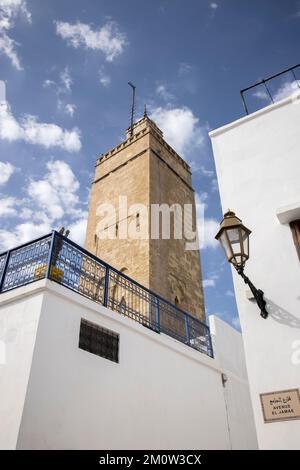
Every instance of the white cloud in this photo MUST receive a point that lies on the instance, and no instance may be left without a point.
(66, 79)
(200, 201)
(185, 69)
(211, 280)
(229, 293)
(51, 202)
(2, 91)
(107, 39)
(7, 47)
(78, 230)
(214, 185)
(104, 78)
(7, 206)
(70, 109)
(64, 83)
(27, 231)
(180, 127)
(62, 88)
(261, 94)
(50, 135)
(198, 167)
(34, 132)
(6, 171)
(287, 89)
(26, 213)
(164, 93)
(61, 175)
(209, 283)
(48, 83)
(207, 227)
(9, 10)
(188, 77)
(46, 198)
(22, 233)
(56, 193)
(214, 5)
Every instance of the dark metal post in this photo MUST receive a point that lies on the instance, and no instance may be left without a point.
(106, 286)
(50, 256)
(187, 329)
(210, 347)
(244, 102)
(132, 107)
(294, 75)
(150, 310)
(268, 91)
(57, 247)
(4, 270)
(257, 293)
(157, 314)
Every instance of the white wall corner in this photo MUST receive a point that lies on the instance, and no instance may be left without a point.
(287, 214)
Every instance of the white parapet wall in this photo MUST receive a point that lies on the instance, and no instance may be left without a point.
(258, 169)
(161, 395)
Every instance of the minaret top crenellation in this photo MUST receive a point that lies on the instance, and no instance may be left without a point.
(143, 123)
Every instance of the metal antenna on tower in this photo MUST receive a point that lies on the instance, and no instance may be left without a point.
(132, 107)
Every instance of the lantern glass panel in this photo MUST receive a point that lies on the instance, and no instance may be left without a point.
(225, 245)
(234, 238)
(245, 238)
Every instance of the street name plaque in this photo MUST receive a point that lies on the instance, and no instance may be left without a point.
(280, 406)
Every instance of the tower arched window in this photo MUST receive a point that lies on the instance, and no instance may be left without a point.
(137, 220)
(117, 229)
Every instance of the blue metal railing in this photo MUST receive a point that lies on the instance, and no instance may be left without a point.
(57, 258)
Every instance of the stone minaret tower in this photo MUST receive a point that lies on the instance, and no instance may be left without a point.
(146, 170)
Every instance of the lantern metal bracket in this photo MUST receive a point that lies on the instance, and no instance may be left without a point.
(257, 293)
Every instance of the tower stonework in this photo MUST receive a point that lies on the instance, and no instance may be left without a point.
(147, 171)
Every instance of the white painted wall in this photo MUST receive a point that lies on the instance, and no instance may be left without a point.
(229, 352)
(162, 394)
(18, 325)
(258, 168)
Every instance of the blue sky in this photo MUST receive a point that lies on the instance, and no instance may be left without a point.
(66, 64)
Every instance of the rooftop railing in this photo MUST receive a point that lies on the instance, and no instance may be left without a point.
(59, 259)
(270, 90)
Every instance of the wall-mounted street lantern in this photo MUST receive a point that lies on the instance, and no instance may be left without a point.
(234, 239)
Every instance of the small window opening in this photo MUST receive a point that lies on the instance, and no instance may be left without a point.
(100, 341)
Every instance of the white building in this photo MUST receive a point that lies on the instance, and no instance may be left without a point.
(258, 169)
(137, 390)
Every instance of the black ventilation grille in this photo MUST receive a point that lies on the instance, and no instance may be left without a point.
(100, 341)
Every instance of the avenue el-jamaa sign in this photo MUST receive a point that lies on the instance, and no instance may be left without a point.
(280, 406)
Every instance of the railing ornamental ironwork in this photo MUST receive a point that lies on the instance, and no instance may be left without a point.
(58, 258)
